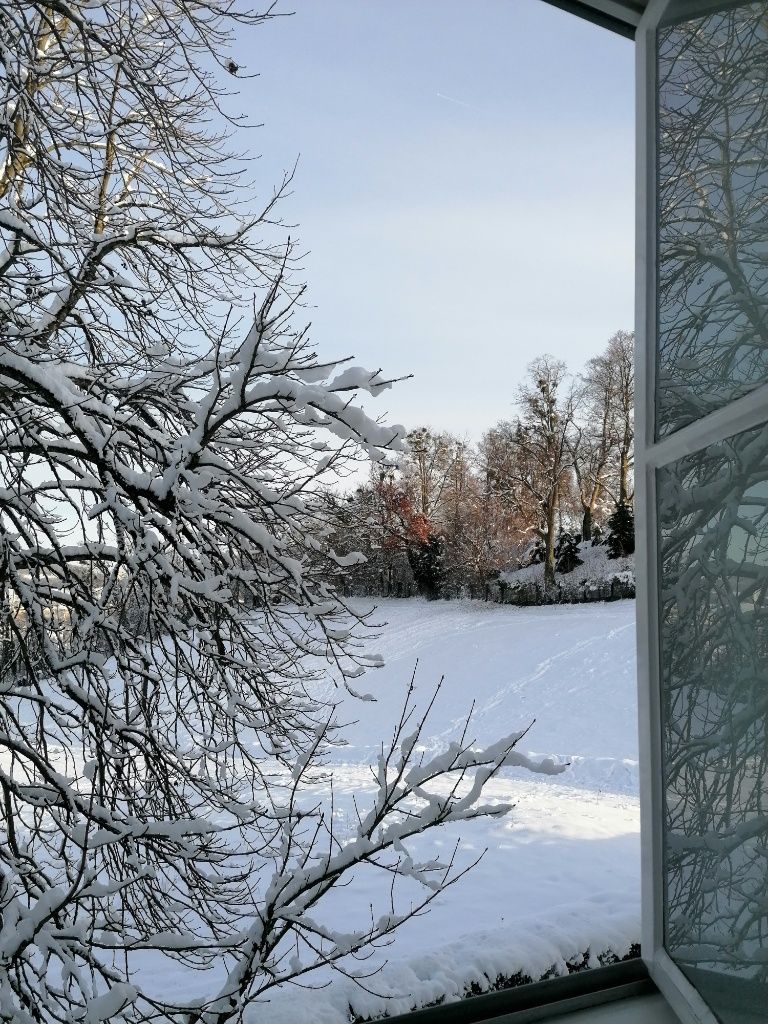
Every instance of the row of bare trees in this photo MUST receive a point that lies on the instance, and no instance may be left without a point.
(459, 513)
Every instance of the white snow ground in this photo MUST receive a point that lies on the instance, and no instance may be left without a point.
(560, 874)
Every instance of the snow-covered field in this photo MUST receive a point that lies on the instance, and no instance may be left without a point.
(559, 875)
(561, 872)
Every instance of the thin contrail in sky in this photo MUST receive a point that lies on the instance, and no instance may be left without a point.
(451, 99)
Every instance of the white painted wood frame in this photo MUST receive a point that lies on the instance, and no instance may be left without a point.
(748, 411)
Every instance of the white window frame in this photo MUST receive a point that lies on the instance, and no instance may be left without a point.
(650, 455)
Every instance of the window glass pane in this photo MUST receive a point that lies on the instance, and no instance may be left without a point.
(713, 198)
(713, 545)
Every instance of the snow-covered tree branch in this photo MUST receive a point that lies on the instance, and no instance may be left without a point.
(166, 580)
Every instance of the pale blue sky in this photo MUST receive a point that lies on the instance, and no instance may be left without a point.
(464, 189)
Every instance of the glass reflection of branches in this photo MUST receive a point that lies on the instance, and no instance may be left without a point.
(713, 526)
(713, 212)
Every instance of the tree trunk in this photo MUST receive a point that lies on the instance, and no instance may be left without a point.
(623, 476)
(549, 549)
(586, 523)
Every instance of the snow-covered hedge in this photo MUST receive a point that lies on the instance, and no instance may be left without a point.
(484, 984)
(582, 935)
(598, 578)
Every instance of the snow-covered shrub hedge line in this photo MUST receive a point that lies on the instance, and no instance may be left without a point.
(598, 578)
(588, 933)
(496, 960)
(584, 961)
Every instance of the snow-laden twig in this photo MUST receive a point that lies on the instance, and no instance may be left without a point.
(168, 592)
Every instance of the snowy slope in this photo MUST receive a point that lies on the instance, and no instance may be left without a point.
(559, 665)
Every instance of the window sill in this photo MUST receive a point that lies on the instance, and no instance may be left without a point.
(649, 1009)
(580, 998)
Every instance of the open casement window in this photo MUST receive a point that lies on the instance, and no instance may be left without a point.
(702, 473)
(702, 520)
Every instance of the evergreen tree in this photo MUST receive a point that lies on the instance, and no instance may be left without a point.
(567, 552)
(428, 565)
(621, 531)
(536, 553)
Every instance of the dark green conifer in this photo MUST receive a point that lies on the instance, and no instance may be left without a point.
(621, 531)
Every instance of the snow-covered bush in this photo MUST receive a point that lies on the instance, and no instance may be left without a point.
(159, 465)
(597, 577)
